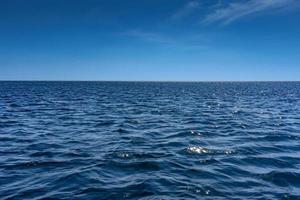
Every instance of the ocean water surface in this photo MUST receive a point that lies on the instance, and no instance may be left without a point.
(144, 140)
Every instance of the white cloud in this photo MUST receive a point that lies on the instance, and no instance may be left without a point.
(235, 11)
(188, 9)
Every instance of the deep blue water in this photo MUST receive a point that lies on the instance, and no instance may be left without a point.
(139, 140)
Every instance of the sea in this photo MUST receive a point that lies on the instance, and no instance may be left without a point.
(149, 140)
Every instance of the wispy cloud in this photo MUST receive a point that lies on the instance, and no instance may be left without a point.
(235, 11)
(188, 9)
(149, 36)
(182, 43)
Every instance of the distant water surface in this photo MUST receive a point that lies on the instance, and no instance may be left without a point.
(143, 140)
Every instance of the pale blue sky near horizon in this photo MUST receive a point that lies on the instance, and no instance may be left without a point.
(150, 40)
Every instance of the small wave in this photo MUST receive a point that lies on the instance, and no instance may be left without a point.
(283, 179)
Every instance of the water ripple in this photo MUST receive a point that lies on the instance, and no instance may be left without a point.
(135, 140)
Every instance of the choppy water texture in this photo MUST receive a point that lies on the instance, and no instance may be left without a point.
(127, 140)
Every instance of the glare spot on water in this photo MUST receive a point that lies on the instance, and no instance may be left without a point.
(195, 132)
(124, 155)
(229, 152)
(236, 110)
(197, 150)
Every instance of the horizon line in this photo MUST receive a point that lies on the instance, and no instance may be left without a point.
(162, 81)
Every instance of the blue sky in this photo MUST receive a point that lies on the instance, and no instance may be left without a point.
(158, 40)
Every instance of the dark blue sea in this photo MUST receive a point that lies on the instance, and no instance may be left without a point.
(149, 140)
